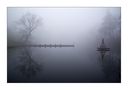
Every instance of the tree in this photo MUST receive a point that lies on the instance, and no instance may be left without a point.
(27, 24)
(111, 26)
(111, 30)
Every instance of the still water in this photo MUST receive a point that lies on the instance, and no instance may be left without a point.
(52, 65)
(67, 64)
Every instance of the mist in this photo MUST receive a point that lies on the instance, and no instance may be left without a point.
(82, 27)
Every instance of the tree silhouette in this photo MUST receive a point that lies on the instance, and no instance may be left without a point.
(111, 30)
(27, 24)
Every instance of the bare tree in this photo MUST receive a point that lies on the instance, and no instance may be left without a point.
(111, 30)
(27, 24)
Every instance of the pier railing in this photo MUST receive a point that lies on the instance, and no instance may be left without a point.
(44, 45)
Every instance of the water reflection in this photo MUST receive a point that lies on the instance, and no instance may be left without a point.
(111, 68)
(27, 66)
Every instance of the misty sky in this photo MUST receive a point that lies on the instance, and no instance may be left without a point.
(61, 25)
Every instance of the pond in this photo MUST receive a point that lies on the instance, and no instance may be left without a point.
(35, 64)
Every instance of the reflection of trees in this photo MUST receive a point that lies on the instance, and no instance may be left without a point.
(28, 66)
(111, 68)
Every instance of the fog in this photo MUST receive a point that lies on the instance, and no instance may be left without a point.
(78, 26)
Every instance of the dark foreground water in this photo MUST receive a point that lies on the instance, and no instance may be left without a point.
(60, 65)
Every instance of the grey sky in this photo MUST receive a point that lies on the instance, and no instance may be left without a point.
(65, 25)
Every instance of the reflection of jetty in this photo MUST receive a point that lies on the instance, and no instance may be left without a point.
(103, 49)
(45, 46)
